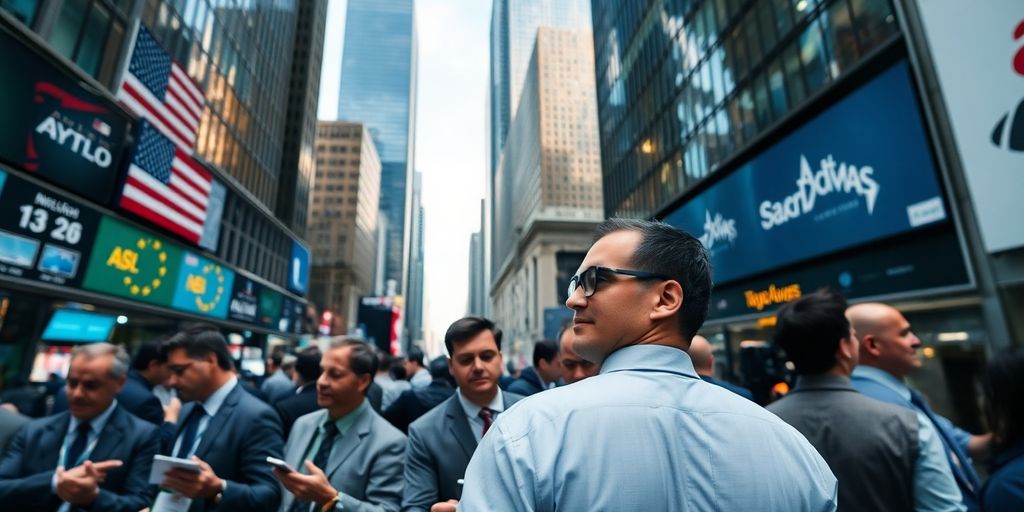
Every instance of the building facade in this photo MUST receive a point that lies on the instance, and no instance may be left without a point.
(547, 190)
(803, 143)
(298, 160)
(343, 224)
(214, 68)
(414, 297)
(378, 88)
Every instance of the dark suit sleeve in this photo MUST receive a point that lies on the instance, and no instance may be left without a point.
(138, 494)
(258, 490)
(397, 413)
(520, 387)
(384, 485)
(420, 491)
(17, 491)
(375, 395)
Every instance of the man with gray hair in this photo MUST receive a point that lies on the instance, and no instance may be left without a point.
(96, 455)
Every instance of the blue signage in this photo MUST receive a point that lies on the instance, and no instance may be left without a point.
(78, 326)
(859, 171)
(204, 287)
(298, 269)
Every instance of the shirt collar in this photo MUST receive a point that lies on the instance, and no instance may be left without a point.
(884, 378)
(658, 358)
(345, 422)
(212, 405)
(96, 424)
(473, 410)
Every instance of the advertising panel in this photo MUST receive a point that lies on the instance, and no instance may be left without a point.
(981, 76)
(298, 269)
(896, 268)
(859, 171)
(270, 308)
(43, 236)
(203, 286)
(54, 127)
(245, 300)
(133, 264)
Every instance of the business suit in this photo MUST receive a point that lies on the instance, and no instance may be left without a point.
(137, 397)
(10, 423)
(27, 468)
(412, 404)
(528, 383)
(365, 464)
(739, 390)
(440, 446)
(295, 406)
(236, 444)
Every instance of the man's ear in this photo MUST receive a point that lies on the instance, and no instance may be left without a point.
(670, 300)
(869, 344)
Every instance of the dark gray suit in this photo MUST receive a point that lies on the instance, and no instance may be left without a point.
(236, 444)
(26, 470)
(871, 446)
(440, 446)
(365, 464)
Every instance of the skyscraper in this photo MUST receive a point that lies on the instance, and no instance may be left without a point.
(414, 290)
(378, 88)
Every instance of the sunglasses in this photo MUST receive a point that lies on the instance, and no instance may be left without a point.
(589, 278)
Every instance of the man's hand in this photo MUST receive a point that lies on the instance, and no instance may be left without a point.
(172, 409)
(204, 484)
(313, 487)
(447, 506)
(80, 485)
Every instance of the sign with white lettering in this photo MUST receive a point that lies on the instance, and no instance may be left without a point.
(860, 171)
(44, 236)
(56, 128)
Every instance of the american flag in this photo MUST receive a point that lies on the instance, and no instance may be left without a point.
(165, 186)
(157, 89)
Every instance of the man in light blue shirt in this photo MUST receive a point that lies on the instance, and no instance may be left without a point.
(647, 433)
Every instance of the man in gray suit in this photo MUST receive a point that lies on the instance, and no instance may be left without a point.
(345, 457)
(443, 440)
(872, 447)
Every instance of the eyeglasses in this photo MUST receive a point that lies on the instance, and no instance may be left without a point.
(588, 278)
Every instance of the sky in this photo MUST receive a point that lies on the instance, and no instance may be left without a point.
(450, 139)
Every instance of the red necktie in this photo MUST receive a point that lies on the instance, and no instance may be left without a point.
(485, 414)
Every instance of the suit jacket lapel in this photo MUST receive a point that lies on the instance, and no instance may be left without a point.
(350, 441)
(300, 438)
(53, 438)
(458, 424)
(114, 433)
(217, 422)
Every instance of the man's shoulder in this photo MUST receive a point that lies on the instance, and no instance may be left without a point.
(251, 407)
(133, 422)
(436, 417)
(385, 432)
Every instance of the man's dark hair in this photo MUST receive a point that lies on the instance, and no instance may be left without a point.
(397, 369)
(546, 350)
(384, 360)
(362, 359)
(200, 341)
(1003, 384)
(439, 369)
(671, 252)
(276, 357)
(416, 355)
(307, 364)
(465, 329)
(809, 330)
(147, 353)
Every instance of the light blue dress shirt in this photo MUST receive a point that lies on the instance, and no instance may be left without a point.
(645, 434)
(935, 488)
(476, 423)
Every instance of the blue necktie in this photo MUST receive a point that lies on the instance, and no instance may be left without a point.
(188, 435)
(961, 463)
(77, 446)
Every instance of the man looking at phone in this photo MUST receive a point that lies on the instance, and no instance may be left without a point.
(96, 455)
(345, 456)
(442, 441)
(227, 431)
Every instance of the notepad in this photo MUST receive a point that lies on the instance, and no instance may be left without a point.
(162, 464)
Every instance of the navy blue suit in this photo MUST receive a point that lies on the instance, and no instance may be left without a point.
(415, 402)
(27, 467)
(739, 390)
(236, 444)
(528, 383)
(1004, 490)
(296, 405)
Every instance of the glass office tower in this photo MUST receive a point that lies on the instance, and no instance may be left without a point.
(378, 88)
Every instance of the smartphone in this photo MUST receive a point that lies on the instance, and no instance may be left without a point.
(280, 464)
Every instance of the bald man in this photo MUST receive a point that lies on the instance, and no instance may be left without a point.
(701, 353)
(574, 367)
(888, 354)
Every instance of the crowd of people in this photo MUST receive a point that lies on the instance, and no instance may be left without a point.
(622, 412)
